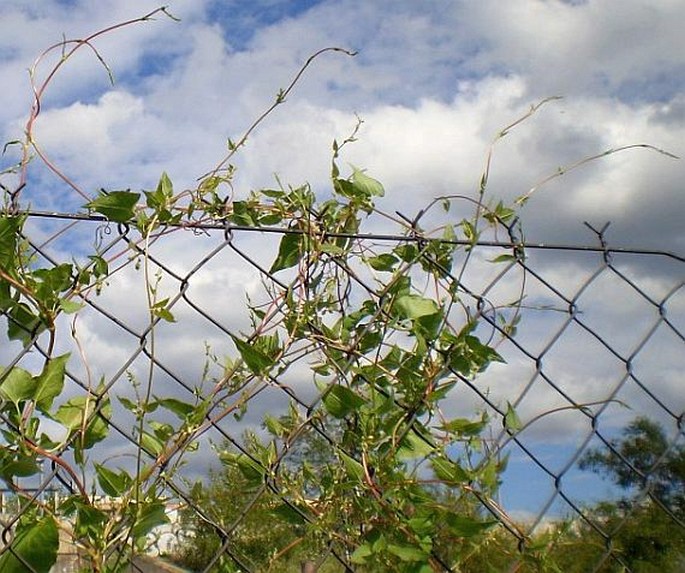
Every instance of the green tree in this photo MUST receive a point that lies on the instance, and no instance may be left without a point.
(273, 537)
(643, 457)
(269, 535)
(637, 533)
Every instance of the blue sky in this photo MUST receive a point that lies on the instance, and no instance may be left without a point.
(433, 80)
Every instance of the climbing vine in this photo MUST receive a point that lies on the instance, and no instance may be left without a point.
(383, 325)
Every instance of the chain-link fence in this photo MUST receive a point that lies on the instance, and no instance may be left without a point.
(256, 383)
(591, 346)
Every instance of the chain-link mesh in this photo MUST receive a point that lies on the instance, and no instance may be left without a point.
(592, 337)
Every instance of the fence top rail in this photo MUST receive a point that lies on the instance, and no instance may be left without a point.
(229, 228)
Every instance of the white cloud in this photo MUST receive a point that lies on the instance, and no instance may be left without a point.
(421, 145)
(92, 127)
(571, 49)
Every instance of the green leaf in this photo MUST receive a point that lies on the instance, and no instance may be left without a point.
(428, 327)
(9, 231)
(22, 323)
(367, 186)
(18, 386)
(74, 413)
(331, 249)
(53, 281)
(210, 184)
(178, 407)
(449, 471)
(99, 266)
(468, 355)
(422, 526)
(465, 526)
(268, 345)
(464, 426)
(273, 193)
(243, 214)
(151, 444)
(69, 306)
(149, 516)
(287, 513)
(470, 231)
(385, 262)
(160, 310)
(288, 252)
(503, 259)
(489, 473)
(113, 483)
(161, 430)
(273, 425)
(117, 206)
(270, 219)
(251, 469)
(165, 187)
(448, 233)
(501, 212)
(339, 401)
(256, 360)
(414, 306)
(15, 464)
(511, 420)
(408, 252)
(361, 553)
(6, 299)
(353, 467)
(89, 520)
(36, 543)
(130, 405)
(413, 446)
(50, 382)
(407, 552)
(160, 201)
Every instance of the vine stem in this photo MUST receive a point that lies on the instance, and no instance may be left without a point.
(61, 463)
(571, 167)
(280, 99)
(39, 90)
